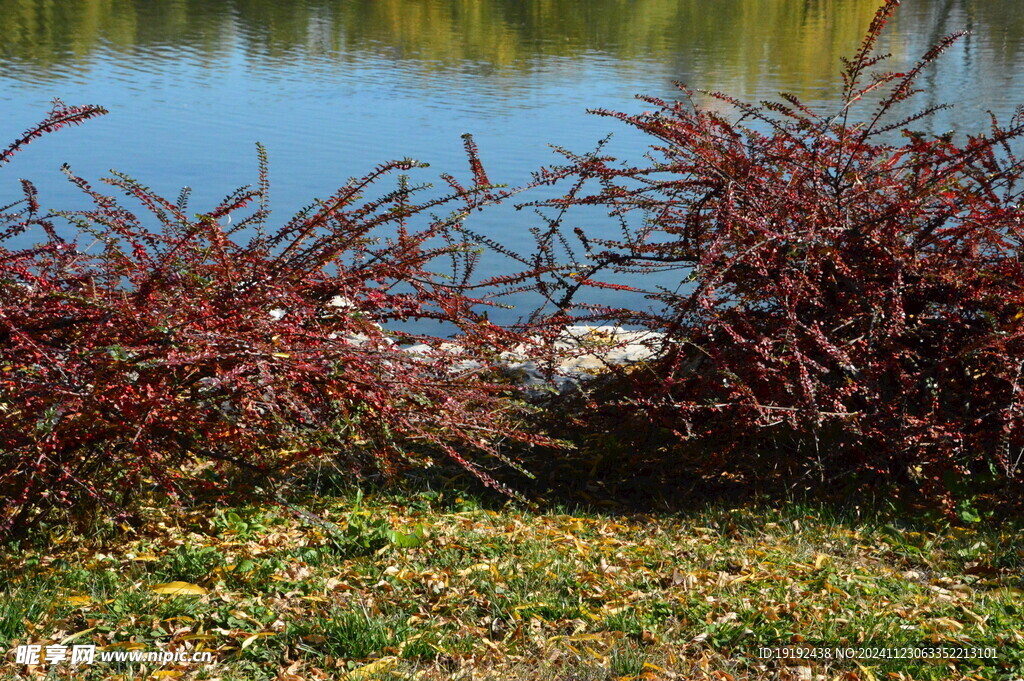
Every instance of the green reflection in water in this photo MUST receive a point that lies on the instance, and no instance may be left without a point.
(733, 43)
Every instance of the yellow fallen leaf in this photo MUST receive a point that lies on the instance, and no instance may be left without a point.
(478, 567)
(835, 590)
(577, 638)
(944, 624)
(490, 644)
(178, 589)
(381, 666)
(125, 645)
(821, 560)
(530, 606)
(401, 574)
(868, 674)
(144, 558)
(978, 619)
(76, 636)
(252, 639)
(165, 674)
(78, 601)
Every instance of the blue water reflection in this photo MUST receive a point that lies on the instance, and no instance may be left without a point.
(332, 88)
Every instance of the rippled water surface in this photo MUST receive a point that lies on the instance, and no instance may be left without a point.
(333, 87)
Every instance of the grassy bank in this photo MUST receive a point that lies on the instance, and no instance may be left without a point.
(434, 585)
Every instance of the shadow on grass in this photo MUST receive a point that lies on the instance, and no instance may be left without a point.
(633, 468)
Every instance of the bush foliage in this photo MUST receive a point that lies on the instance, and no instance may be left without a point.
(155, 343)
(853, 292)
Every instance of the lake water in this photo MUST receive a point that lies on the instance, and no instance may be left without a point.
(333, 87)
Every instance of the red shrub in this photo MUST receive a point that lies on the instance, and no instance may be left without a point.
(147, 345)
(856, 298)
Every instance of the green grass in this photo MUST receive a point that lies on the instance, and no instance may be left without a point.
(435, 586)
